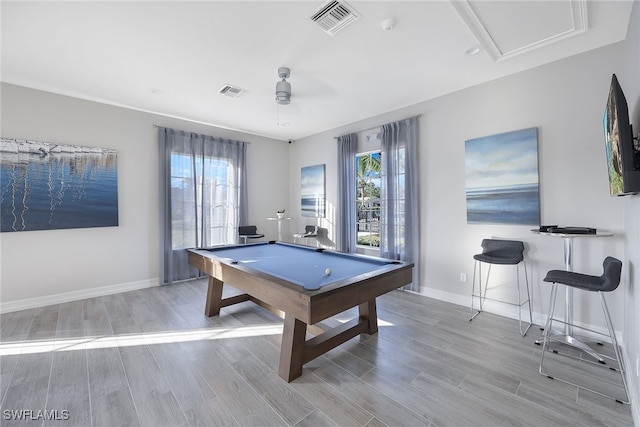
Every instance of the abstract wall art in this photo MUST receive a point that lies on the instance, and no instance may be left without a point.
(47, 186)
(312, 191)
(502, 178)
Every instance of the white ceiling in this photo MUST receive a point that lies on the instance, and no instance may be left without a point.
(172, 58)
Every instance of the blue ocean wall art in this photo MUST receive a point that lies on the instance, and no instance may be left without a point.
(312, 191)
(502, 185)
(47, 186)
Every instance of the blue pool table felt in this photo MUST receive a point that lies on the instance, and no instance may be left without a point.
(299, 265)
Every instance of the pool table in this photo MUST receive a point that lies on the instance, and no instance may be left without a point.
(305, 286)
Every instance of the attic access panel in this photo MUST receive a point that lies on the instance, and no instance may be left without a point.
(505, 29)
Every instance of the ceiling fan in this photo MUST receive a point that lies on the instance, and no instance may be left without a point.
(283, 87)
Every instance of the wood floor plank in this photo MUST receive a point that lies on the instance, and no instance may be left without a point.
(96, 319)
(316, 419)
(187, 385)
(447, 370)
(5, 382)
(15, 326)
(124, 326)
(25, 395)
(265, 416)
(106, 372)
(283, 398)
(336, 406)
(69, 388)
(210, 413)
(516, 408)
(159, 408)
(115, 409)
(234, 392)
(442, 403)
(44, 323)
(581, 414)
(70, 320)
(75, 413)
(386, 409)
(116, 307)
(377, 423)
(350, 362)
(170, 318)
(615, 414)
(32, 366)
(145, 317)
(143, 373)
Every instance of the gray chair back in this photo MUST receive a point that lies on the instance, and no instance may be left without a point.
(247, 230)
(611, 275)
(496, 251)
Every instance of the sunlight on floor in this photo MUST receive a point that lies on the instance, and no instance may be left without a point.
(151, 338)
(90, 343)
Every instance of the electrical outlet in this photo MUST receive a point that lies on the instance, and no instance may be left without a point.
(463, 277)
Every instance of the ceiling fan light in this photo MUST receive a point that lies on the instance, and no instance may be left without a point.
(283, 92)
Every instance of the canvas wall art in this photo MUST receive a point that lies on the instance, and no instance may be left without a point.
(312, 191)
(47, 186)
(502, 178)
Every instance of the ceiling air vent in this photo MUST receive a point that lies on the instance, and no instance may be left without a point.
(231, 91)
(334, 16)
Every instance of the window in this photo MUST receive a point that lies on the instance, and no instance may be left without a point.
(199, 201)
(203, 196)
(368, 168)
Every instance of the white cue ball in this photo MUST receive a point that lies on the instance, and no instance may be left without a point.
(327, 271)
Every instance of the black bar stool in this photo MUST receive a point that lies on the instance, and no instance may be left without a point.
(607, 282)
(503, 252)
(249, 232)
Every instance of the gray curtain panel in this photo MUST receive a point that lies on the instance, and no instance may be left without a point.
(203, 196)
(399, 204)
(347, 217)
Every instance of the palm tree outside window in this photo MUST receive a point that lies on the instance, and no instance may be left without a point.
(368, 169)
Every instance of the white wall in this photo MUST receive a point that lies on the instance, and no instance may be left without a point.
(43, 267)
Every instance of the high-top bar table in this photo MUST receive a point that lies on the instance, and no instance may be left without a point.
(568, 337)
(279, 219)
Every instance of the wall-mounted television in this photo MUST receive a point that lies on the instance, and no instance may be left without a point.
(623, 157)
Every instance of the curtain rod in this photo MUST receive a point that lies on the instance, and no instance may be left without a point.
(367, 130)
(158, 126)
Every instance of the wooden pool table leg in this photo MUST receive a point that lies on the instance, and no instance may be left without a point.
(214, 297)
(369, 314)
(292, 349)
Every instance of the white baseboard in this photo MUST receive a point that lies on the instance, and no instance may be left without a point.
(25, 304)
(511, 311)
(501, 309)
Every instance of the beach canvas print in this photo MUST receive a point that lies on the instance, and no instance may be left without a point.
(312, 191)
(502, 178)
(47, 186)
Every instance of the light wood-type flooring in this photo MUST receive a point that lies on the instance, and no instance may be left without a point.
(151, 358)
